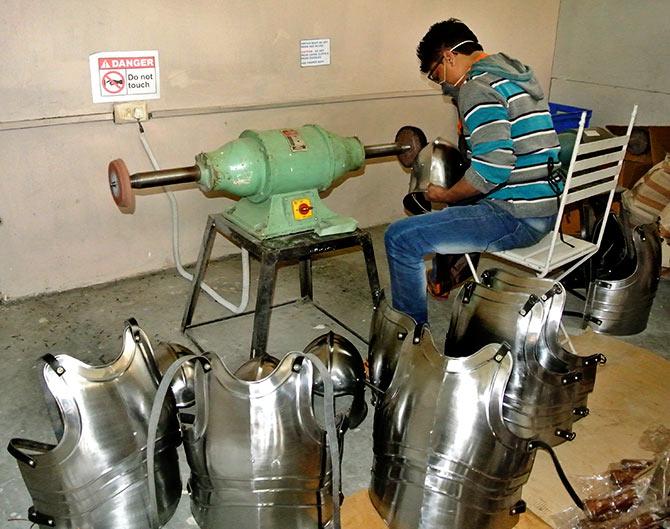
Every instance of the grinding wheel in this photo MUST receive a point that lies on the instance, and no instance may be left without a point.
(119, 185)
(415, 138)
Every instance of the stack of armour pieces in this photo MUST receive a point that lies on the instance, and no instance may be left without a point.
(261, 453)
(454, 434)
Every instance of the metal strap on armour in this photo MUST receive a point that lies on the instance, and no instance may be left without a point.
(331, 432)
(54, 364)
(135, 328)
(532, 301)
(144, 346)
(154, 418)
(556, 289)
(40, 518)
(16, 445)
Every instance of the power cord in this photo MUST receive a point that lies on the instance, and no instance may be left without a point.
(236, 309)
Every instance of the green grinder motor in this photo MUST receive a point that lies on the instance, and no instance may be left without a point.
(277, 174)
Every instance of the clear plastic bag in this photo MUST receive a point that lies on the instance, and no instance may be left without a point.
(630, 494)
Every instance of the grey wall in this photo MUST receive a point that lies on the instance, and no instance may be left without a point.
(611, 54)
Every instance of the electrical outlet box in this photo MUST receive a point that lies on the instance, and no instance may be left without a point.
(131, 112)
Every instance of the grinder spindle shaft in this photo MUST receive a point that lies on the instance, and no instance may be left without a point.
(184, 175)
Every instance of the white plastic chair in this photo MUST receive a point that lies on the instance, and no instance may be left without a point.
(585, 178)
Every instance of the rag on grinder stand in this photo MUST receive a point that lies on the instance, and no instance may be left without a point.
(277, 174)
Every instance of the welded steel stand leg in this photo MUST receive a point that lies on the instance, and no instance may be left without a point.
(306, 290)
(200, 269)
(266, 286)
(370, 265)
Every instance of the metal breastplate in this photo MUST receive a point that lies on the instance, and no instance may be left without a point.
(257, 454)
(550, 353)
(622, 306)
(443, 456)
(95, 477)
(388, 331)
(539, 403)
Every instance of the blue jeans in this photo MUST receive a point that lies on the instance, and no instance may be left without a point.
(454, 230)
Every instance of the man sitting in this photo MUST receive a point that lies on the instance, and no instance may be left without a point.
(512, 148)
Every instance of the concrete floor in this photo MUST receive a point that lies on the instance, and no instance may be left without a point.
(87, 323)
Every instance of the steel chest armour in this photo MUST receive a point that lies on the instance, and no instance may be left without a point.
(257, 454)
(621, 306)
(443, 456)
(95, 476)
(550, 352)
(547, 388)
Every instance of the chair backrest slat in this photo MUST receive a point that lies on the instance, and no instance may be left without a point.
(600, 145)
(591, 191)
(564, 194)
(595, 161)
(596, 176)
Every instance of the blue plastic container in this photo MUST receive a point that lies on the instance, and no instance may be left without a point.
(566, 117)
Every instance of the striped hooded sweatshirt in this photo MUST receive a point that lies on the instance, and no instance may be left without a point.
(509, 136)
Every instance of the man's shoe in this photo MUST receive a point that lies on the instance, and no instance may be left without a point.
(437, 290)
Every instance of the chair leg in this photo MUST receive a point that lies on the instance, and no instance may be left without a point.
(567, 340)
(472, 268)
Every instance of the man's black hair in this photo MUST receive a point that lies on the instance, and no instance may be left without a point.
(444, 35)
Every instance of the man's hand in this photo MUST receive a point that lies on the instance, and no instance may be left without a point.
(436, 193)
(461, 190)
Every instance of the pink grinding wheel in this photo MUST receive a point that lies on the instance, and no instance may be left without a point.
(119, 185)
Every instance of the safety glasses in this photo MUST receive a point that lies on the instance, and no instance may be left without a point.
(432, 72)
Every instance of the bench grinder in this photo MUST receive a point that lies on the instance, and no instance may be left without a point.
(276, 173)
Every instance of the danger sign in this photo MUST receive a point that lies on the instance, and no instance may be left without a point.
(124, 76)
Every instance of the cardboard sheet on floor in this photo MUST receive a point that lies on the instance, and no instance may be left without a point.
(631, 395)
(358, 513)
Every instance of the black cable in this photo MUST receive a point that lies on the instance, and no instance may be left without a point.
(554, 178)
(559, 470)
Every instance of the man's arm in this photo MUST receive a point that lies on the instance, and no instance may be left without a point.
(461, 190)
(493, 158)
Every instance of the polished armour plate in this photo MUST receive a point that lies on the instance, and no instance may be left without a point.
(444, 456)
(539, 402)
(622, 306)
(388, 331)
(257, 453)
(95, 476)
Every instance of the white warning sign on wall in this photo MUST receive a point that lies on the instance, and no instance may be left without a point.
(314, 52)
(124, 76)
